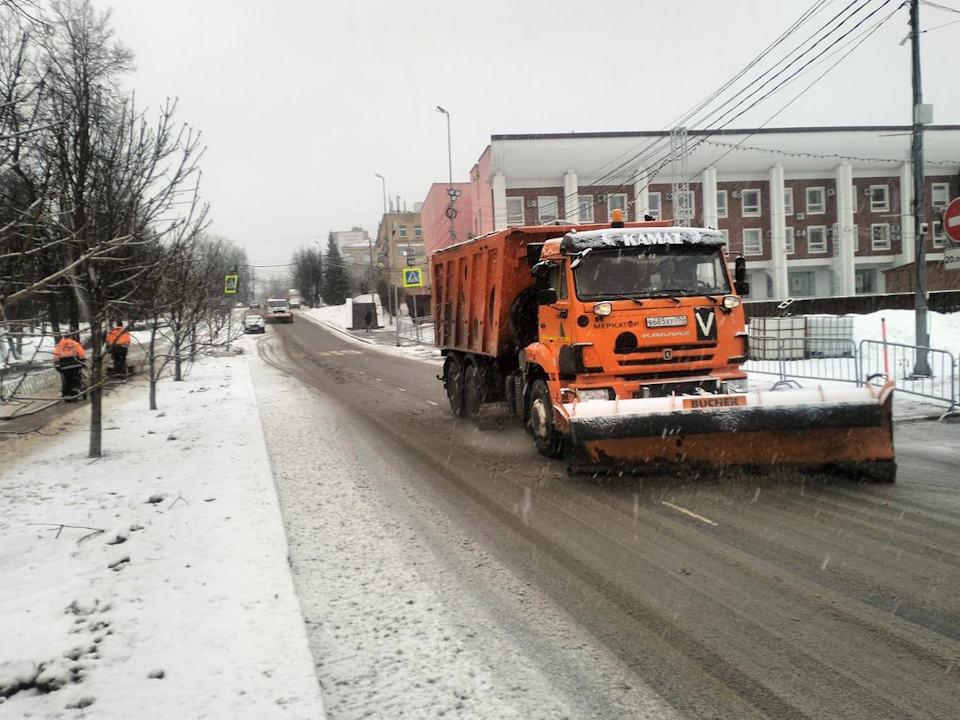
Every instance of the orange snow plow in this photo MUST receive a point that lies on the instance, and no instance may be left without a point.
(622, 348)
(849, 430)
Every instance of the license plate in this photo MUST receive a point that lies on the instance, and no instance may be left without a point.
(667, 321)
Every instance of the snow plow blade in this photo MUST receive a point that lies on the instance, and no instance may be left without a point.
(847, 430)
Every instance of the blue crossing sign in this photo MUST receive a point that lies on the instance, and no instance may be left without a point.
(413, 277)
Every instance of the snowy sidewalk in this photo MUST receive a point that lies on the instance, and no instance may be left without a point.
(153, 582)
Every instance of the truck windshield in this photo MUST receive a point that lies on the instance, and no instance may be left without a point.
(650, 271)
(276, 304)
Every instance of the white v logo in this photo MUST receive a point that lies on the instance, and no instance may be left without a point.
(706, 324)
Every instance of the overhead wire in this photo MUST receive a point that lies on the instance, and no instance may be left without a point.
(640, 163)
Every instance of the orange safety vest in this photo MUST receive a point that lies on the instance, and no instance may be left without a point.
(68, 348)
(118, 336)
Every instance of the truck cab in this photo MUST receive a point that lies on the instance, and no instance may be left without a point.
(628, 313)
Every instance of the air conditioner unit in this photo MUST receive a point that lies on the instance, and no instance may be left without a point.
(799, 216)
(531, 203)
(831, 192)
(737, 193)
(800, 233)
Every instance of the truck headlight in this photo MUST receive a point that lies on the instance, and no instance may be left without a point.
(602, 309)
(731, 301)
(588, 394)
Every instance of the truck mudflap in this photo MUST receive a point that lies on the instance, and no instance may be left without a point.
(849, 430)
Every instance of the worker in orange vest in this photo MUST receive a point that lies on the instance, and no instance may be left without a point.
(118, 341)
(70, 358)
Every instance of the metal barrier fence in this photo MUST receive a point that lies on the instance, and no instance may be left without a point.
(418, 332)
(845, 361)
(831, 358)
(899, 363)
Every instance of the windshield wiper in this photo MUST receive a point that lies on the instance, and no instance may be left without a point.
(670, 294)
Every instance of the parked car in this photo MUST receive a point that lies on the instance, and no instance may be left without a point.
(254, 306)
(254, 324)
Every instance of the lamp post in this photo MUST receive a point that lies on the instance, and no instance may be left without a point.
(383, 222)
(451, 212)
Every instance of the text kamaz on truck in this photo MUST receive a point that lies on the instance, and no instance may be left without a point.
(622, 349)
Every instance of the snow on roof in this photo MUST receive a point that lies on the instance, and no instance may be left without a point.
(629, 237)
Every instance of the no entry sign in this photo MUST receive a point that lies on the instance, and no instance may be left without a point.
(951, 220)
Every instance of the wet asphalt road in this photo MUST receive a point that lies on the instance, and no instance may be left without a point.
(731, 596)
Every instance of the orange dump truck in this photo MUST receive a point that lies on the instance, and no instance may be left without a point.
(622, 347)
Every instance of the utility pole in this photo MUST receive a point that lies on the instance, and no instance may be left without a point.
(921, 368)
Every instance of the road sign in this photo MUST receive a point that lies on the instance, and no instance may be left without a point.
(951, 259)
(951, 220)
(413, 277)
(230, 285)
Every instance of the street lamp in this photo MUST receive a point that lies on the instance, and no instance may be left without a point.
(451, 212)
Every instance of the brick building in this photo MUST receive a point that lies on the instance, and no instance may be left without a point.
(815, 211)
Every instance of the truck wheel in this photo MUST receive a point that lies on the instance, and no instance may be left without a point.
(453, 379)
(545, 435)
(471, 391)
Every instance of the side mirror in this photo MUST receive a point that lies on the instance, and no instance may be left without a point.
(740, 283)
(547, 296)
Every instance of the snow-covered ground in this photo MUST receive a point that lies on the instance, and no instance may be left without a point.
(153, 582)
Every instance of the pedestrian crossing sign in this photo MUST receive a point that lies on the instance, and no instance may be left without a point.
(230, 285)
(413, 277)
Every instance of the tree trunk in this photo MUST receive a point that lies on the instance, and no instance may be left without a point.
(152, 365)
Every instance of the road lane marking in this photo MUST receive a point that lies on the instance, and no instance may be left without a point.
(402, 389)
(433, 403)
(692, 514)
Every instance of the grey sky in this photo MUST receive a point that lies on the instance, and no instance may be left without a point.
(300, 103)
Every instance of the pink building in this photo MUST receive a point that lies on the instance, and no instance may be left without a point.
(474, 208)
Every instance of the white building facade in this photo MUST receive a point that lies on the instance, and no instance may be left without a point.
(814, 211)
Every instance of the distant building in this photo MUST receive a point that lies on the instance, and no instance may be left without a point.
(814, 211)
(400, 246)
(356, 248)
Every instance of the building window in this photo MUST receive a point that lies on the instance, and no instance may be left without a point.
(586, 208)
(753, 241)
(817, 239)
(816, 205)
(788, 201)
(417, 231)
(879, 198)
(880, 234)
(617, 202)
(751, 203)
(940, 195)
(654, 205)
(865, 281)
(515, 211)
(685, 206)
(788, 240)
(802, 283)
(546, 209)
(939, 236)
(403, 231)
(721, 203)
